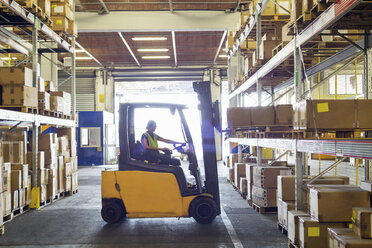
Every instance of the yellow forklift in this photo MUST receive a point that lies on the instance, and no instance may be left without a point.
(139, 189)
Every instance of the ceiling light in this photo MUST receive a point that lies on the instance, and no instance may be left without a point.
(83, 58)
(222, 56)
(148, 38)
(14, 58)
(153, 50)
(155, 57)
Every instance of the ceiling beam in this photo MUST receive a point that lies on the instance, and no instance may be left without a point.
(219, 47)
(174, 48)
(128, 21)
(171, 6)
(87, 53)
(129, 49)
(104, 10)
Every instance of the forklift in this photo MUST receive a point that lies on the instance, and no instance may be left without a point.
(139, 189)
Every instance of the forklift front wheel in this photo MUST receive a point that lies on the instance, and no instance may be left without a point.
(112, 212)
(203, 209)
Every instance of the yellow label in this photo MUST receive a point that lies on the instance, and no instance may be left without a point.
(350, 226)
(59, 22)
(54, 5)
(322, 107)
(102, 98)
(354, 216)
(99, 149)
(313, 231)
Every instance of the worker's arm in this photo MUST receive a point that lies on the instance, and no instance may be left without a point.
(169, 141)
(146, 145)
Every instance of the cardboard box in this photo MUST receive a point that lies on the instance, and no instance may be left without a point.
(293, 225)
(50, 86)
(249, 171)
(286, 188)
(239, 117)
(74, 164)
(68, 169)
(52, 184)
(266, 177)
(16, 76)
(313, 233)
(307, 5)
(72, 28)
(284, 114)
(1, 208)
(56, 103)
(233, 159)
(16, 180)
(362, 222)
(67, 183)
(46, 141)
(231, 175)
(1, 178)
(63, 148)
(264, 197)
(13, 151)
(15, 199)
(61, 173)
(40, 159)
(22, 197)
(333, 232)
(41, 85)
(62, 9)
(66, 98)
(50, 157)
(243, 186)
(24, 173)
(44, 101)
(45, 6)
(41, 177)
(74, 181)
(7, 202)
(296, 9)
(28, 191)
(366, 185)
(351, 241)
(286, 207)
(262, 116)
(323, 200)
(239, 172)
(279, 204)
(6, 172)
(43, 193)
(19, 95)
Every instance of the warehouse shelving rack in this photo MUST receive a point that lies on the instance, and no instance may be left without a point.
(13, 14)
(340, 148)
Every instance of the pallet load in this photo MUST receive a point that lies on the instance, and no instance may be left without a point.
(17, 89)
(6, 189)
(249, 176)
(62, 100)
(360, 236)
(265, 185)
(44, 101)
(330, 207)
(63, 17)
(285, 199)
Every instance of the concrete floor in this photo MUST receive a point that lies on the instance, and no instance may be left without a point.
(75, 221)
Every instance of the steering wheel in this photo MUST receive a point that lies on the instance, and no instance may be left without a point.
(180, 148)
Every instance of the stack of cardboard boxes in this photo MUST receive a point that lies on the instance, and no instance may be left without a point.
(63, 17)
(265, 184)
(17, 88)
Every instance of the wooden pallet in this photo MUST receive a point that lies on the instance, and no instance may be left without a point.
(44, 112)
(8, 217)
(282, 228)
(21, 210)
(249, 202)
(264, 210)
(71, 192)
(19, 108)
(56, 114)
(67, 117)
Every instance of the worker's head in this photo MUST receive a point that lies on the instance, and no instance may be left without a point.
(151, 126)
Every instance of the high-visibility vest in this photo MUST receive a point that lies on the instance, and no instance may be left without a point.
(153, 141)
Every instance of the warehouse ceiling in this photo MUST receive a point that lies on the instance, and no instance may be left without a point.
(186, 48)
(155, 5)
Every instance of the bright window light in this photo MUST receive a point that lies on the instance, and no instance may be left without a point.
(148, 38)
(222, 56)
(155, 57)
(153, 50)
(83, 58)
(79, 51)
(13, 58)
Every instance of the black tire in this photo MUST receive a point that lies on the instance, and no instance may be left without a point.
(112, 212)
(203, 209)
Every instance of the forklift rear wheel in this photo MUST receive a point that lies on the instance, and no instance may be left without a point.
(112, 212)
(203, 210)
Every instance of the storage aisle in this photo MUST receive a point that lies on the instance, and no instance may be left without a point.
(76, 222)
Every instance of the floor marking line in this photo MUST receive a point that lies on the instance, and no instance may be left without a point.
(230, 229)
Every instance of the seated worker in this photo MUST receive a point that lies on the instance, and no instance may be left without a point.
(152, 151)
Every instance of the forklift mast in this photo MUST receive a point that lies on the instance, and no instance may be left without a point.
(209, 121)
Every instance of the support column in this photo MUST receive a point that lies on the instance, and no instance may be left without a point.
(35, 196)
(240, 153)
(368, 94)
(300, 163)
(259, 92)
(73, 82)
(231, 72)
